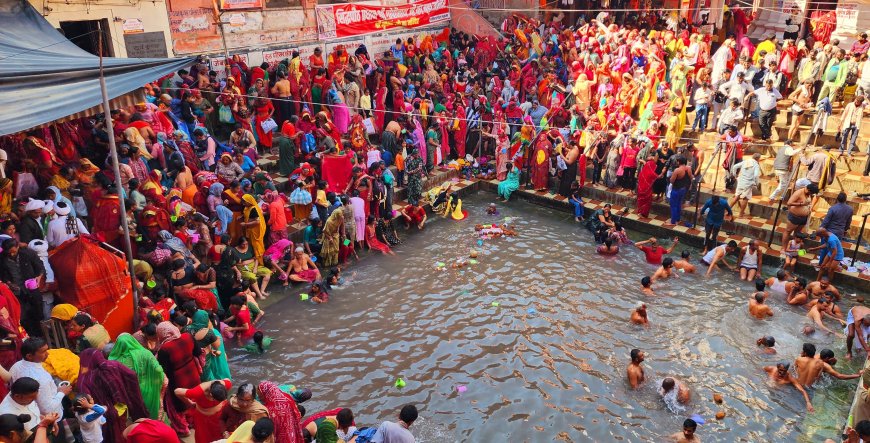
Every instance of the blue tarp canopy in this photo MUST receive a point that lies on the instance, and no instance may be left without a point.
(45, 77)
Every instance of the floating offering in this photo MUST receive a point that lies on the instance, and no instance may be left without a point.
(720, 415)
(698, 419)
(440, 264)
(717, 398)
(495, 304)
(461, 388)
(480, 243)
(473, 261)
(399, 383)
(532, 311)
(303, 296)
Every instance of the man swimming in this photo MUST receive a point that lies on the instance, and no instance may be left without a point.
(666, 270)
(683, 263)
(779, 375)
(638, 316)
(717, 255)
(749, 260)
(676, 389)
(767, 344)
(688, 433)
(857, 323)
(809, 368)
(757, 308)
(824, 307)
(635, 372)
(646, 286)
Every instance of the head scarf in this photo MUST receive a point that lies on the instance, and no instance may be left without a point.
(225, 216)
(326, 431)
(249, 199)
(110, 383)
(152, 431)
(129, 352)
(166, 332)
(200, 321)
(216, 189)
(253, 412)
(174, 243)
(283, 412)
(97, 336)
(64, 312)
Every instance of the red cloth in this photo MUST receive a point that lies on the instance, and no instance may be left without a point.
(321, 414)
(283, 412)
(152, 431)
(207, 428)
(653, 256)
(336, 170)
(644, 188)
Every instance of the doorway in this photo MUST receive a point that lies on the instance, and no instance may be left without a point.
(86, 34)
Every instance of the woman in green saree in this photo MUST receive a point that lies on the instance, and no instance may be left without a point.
(129, 352)
(216, 366)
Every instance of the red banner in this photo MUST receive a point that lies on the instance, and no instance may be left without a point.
(352, 19)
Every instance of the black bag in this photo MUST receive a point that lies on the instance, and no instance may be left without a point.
(719, 97)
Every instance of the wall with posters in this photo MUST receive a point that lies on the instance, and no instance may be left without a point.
(123, 19)
(194, 30)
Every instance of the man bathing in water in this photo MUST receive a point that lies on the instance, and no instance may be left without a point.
(688, 433)
(749, 261)
(825, 307)
(717, 255)
(683, 263)
(798, 294)
(636, 375)
(766, 344)
(818, 288)
(809, 368)
(646, 286)
(666, 270)
(757, 308)
(857, 324)
(676, 388)
(779, 375)
(301, 268)
(638, 316)
(654, 252)
(781, 283)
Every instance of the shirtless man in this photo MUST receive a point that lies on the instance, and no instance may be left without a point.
(798, 294)
(821, 308)
(757, 308)
(683, 263)
(717, 255)
(779, 375)
(818, 288)
(281, 90)
(688, 433)
(646, 286)
(301, 268)
(780, 284)
(767, 344)
(636, 375)
(638, 316)
(857, 323)
(798, 214)
(682, 391)
(749, 261)
(809, 368)
(666, 270)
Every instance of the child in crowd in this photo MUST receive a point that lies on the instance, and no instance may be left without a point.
(372, 238)
(791, 251)
(90, 418)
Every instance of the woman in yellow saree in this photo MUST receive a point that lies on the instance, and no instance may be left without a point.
(254, 226)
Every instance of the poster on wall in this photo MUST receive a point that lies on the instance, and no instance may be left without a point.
(847, 17)
(228, 5)
(348, 20)
(219, 64)
(275, 56)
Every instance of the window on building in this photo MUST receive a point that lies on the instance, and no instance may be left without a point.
(86, 35)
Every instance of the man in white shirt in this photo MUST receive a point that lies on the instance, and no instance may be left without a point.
(767, 97)
(389, 432)
(730, 116)
(22, 400)
(58, 231)
(35, 351)
(850, 124)
(738, 89)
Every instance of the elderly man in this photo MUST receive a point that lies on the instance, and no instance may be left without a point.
(748, 173)
(64, 227)
(779, 375)
(30, 227)
(767, 96)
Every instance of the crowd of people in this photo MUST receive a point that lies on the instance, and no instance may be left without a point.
(208, 224)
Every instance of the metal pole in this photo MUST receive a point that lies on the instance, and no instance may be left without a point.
(858, 240)
(220, 25)
(716, 177)
(113, 150)
(785, 194)
(714, 158)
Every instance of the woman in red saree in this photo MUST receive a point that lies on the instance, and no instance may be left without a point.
(380, 107)
(178, 354)
(208, 401)
(540, 169)
(10, 328)
(106, 217)
(283, 412)
(645, 181)
(264, 110)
